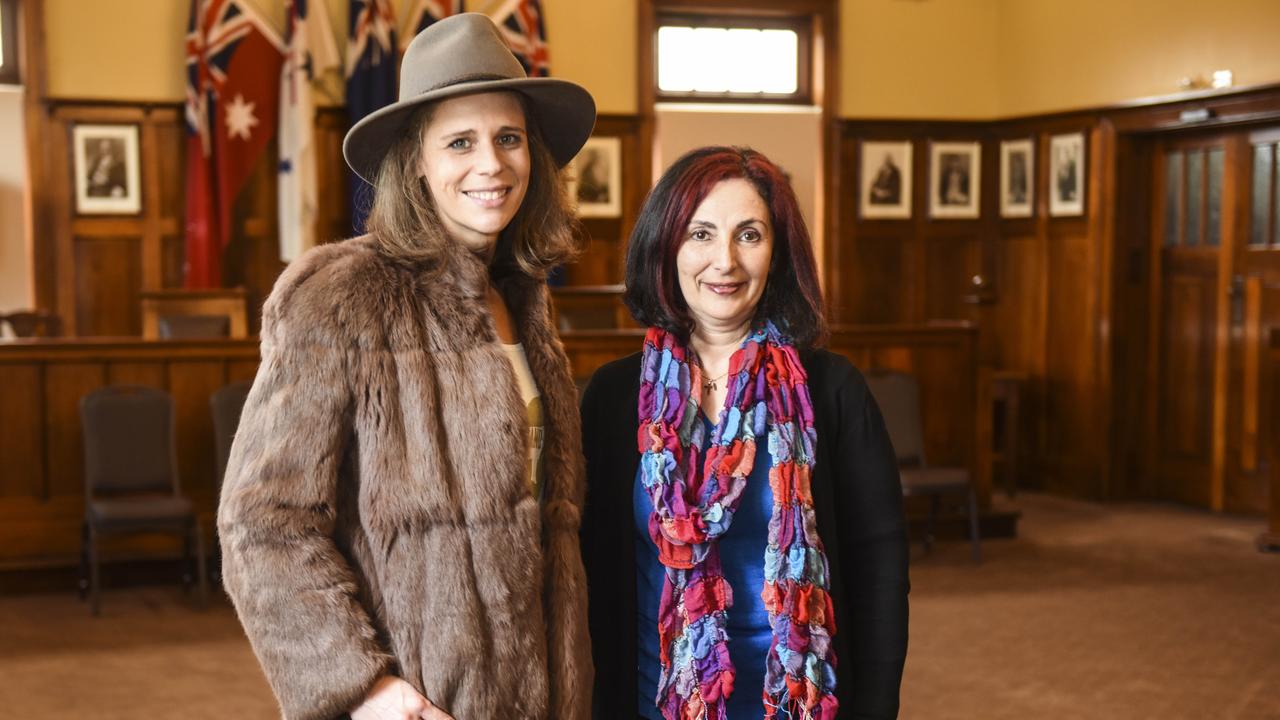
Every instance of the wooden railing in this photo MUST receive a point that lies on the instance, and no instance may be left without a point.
(943, 357)
(42, 381)
(41, 455)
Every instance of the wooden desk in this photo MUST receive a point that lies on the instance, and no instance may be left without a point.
(228, 303)
(589, 307)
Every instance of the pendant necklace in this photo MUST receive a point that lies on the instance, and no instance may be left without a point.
(711, 385)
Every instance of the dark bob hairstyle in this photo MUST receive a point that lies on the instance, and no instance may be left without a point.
(792, 298)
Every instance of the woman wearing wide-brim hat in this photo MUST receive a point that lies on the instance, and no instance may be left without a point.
(400, 514)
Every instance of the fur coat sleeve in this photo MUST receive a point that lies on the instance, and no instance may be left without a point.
(293, 589)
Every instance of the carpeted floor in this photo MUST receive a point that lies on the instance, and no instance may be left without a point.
(1118, 611)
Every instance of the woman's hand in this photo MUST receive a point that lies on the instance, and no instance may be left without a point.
(391, 698)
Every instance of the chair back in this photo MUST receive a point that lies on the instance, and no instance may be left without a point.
(128, 440)
(898, 396)
(32, 323)
(174, 327)
(227, 403)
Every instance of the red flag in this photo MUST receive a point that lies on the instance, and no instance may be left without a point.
(233, 76)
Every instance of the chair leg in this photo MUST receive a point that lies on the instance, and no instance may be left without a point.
(82, 579)
(187, 560)
(201, 571)
(95, 589)
(974, 538)
(934, 501)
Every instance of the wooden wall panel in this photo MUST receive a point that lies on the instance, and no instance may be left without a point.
(910, 270)
(192, 383)
(1036, 286)
(41, 496)
(41, 450)
(21, 435)
(150, 374)
(1071, 390)
(332, 176)
(95, 277)
(942, 357)
(64, 385)
(606, 249)
(108, 278)
(1013, 326)
(950, 263)
(866, 298)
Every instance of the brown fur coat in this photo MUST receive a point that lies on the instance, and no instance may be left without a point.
(376, 516)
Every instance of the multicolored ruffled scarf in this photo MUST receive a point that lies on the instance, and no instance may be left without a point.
(694, 501)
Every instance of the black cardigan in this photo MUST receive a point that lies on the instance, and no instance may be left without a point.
(858, 503)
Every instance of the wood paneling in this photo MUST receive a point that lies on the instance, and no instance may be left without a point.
(108, 278)
(912, 270)
(607, 237)
(942, 356)
(21, 431)
(41, 448)
(98, 265)
(1270, 539)
(1065, 301)
(41, 455)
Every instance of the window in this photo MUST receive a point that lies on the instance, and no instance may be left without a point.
(738, 59)
(1193, 197)
(9, 42)
(1264, 228)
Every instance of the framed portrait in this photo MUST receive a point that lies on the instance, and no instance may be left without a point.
(1066, 175)
(886, 180)
(1017, 178)
(106, 168)
(955, 179)
(595, 183)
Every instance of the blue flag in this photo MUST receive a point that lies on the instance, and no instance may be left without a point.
(371, 80)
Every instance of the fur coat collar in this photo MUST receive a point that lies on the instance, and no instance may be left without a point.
(376, 516)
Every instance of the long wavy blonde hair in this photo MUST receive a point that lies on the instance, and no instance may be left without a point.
(543, 234)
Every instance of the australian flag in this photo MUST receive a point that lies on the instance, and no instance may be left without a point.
(372, 57)
(520, 22)
(233, 63)
(425, 12)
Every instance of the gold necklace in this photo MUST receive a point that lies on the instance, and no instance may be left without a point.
(710, 385)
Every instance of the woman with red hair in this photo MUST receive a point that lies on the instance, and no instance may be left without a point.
(743, 535)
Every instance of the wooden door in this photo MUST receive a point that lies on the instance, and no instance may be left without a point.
(1254, 308)
(1191, 258)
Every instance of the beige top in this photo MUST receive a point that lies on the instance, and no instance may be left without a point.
(533, 412)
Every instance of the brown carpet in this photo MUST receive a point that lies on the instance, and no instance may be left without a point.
(1118, 611)
(1098, 611)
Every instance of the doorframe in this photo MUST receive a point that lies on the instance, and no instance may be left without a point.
(1136, 126)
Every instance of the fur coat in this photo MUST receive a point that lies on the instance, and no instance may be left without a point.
(376, 516)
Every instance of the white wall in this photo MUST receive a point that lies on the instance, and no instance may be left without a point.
(15, 285)
(791, 137)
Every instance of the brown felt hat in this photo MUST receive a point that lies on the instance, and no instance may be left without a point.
(465, 54)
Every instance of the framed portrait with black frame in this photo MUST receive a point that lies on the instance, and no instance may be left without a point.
(1017, 178)
(1066, 175)
(105, 169)
(885, 190)
(955, 180)
(596, 178)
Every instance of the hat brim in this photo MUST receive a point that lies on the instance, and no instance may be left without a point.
(565, 113)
